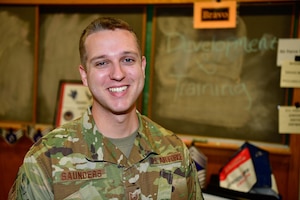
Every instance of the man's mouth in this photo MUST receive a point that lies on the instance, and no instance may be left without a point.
(118, 89)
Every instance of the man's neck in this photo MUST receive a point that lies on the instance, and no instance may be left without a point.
(116, 125)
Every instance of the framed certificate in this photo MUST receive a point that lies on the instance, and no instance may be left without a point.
(73, 99)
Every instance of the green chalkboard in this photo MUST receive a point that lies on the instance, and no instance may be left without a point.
(17, 63)
(219, 82)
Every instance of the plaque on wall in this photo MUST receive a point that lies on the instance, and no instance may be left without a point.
(73, 99)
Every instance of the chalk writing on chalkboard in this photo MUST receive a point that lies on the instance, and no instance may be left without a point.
(214, 81)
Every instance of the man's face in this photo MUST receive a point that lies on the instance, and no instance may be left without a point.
(115, 70)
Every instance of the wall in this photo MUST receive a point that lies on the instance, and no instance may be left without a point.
(284, 159)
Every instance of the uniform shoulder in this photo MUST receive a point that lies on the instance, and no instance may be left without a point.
(57, 137)
(160, 134)
(154, 126)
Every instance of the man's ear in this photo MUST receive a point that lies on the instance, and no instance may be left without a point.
(83, 75)
(144, 63)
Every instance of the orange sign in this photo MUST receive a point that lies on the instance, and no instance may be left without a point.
(213, 15)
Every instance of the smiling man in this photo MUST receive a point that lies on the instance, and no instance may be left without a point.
(112, 151)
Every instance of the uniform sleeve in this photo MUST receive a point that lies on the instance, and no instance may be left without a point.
(193, 183)
(31, 183)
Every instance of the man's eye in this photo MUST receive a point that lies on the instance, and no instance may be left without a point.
(128, 60)
(100, 63)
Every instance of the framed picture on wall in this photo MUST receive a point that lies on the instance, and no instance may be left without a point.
(73, 99)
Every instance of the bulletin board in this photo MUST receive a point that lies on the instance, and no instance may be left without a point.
(220, 83)
(17, 63)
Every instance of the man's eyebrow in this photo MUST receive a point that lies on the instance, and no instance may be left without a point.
(97, 57)
(124, 53)
(130, 52)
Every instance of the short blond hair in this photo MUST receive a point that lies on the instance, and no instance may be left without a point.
(100, 24)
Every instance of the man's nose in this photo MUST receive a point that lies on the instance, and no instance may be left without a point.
(117, 72)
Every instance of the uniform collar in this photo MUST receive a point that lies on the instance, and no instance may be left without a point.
(100, 149)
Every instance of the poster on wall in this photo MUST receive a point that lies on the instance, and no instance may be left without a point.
(74, 99)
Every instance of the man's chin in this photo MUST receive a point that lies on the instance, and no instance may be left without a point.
(124, 111)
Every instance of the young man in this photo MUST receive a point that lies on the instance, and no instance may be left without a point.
(112, 151)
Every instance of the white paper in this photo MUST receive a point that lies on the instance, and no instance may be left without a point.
(290, 75)
(213, 197)
(289, 119)
(287, 50)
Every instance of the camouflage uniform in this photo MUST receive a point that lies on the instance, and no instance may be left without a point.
(75, 161)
